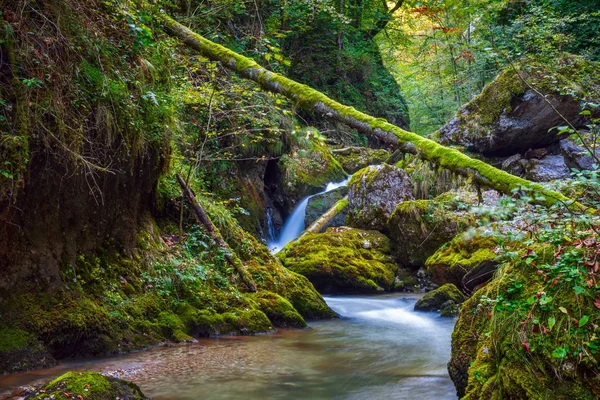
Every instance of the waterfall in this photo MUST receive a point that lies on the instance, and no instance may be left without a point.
(294, 225)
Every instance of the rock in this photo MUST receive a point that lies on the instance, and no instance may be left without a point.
(20, 351)
(479, 275)
(547, 169)
(308, 171)
(353, 159)
(449, 309)
(89, 386)
(462, 254)
(442, 297)
(374, 192)
(508, 117)
(514, 165)
(320, 203)
(419, 227)
(342, 260)
(577, 156)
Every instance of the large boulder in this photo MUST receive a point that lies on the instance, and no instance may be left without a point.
(418, 228)
(374, 192)
(354, 159)
(342, 260)
(510, 117)
(320, 203)
(462, 254)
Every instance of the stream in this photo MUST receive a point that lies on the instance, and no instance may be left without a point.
(379, 349)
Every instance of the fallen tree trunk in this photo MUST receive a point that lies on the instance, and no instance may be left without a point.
(216, 236)
(477, 171)
(324, 219)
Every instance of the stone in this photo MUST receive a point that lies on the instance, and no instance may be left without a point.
(513, 165)
(374, 192)
(320, 203)
(547, 169)
(577, 156)
(440, 298)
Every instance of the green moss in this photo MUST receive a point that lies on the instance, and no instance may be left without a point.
(279, 310)
(90, 386)
(433, 300)
(354, 159)
(13, 339)
(459, 256)
(342, 260)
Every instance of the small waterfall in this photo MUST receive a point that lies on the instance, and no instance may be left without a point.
(294, 225)
(271, 232)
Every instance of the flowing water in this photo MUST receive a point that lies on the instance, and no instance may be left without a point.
(294, 225)
(379, 349)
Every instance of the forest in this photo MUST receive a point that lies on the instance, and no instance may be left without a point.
(307, 199)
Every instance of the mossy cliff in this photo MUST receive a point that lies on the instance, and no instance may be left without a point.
(342, 260)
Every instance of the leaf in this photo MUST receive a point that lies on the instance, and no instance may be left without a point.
(559, 352)
(597, 302)
(551, 322)
(579, 290)
(563, 310)
(584, 320)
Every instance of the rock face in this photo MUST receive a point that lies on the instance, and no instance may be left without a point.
(342, 260)
(455, 259)
(509, 117)
(354, 159)
(90, 386)
(577, 156)
(319, 204)
(441, 298)
(374, 192)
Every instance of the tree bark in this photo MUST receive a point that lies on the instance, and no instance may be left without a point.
(476, 170)
(216, 236)
(330, 214)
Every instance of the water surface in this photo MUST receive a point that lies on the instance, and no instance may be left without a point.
(379, 349)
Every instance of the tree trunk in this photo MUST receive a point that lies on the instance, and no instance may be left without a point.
(214, 233)
(330, 214)
(478, 171)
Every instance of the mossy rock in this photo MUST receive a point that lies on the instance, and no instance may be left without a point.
(21, 351)
(456, 258)
(418, 228)
(374, 192)
(437, 298)
(319, 204)
(342, 260)
(354, 159)
(306, 171)
(509, 117)
(89, 386)
(508, 333)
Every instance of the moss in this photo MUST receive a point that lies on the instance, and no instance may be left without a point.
(279, 310)
(354, 159)
(307, 170)
(90, 386)
(459, 256)
(342, 260)
(433, 300)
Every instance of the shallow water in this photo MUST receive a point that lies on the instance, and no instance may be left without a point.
(380, 349)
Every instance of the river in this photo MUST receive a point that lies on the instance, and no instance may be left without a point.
(379, 349)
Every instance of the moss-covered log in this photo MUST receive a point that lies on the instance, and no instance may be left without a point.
(214, 233)
(478, 171)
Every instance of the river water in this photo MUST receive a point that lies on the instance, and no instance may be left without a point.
(379, 349)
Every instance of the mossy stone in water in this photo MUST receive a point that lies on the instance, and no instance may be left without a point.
(436, 299)
(89, 386)
(343, 260)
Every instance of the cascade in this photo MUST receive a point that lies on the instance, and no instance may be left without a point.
(294, 224)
